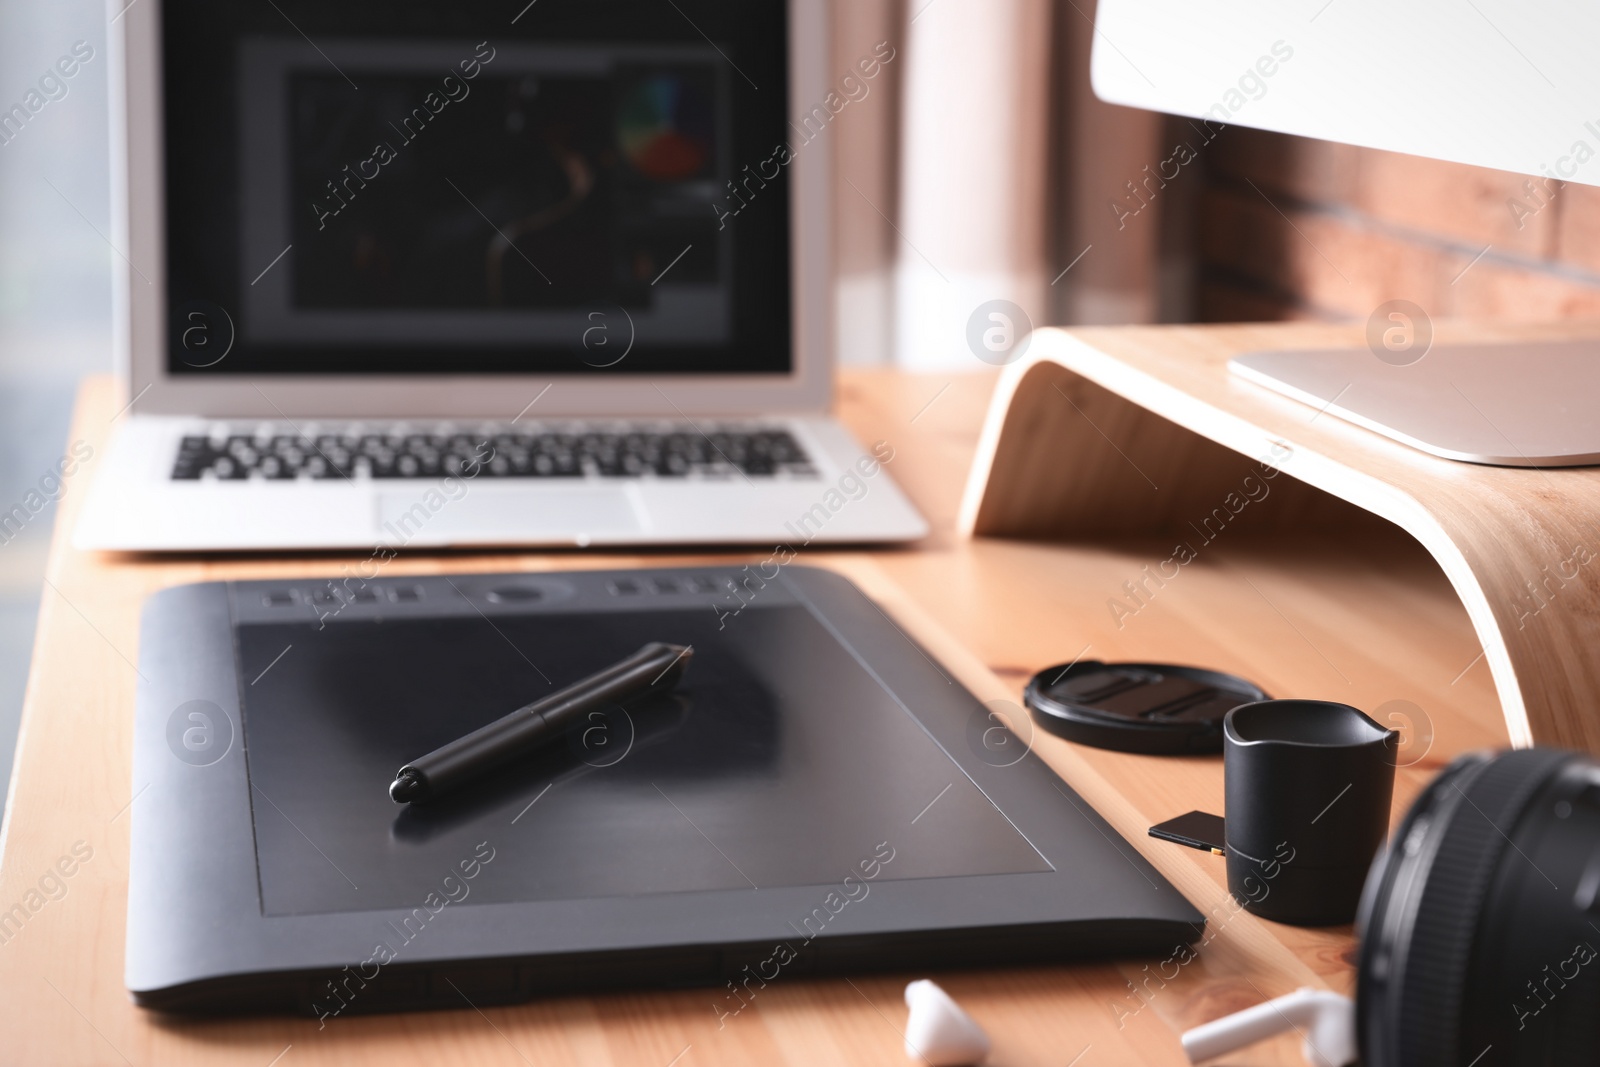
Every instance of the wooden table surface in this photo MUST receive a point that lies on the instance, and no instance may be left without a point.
(1367, 619)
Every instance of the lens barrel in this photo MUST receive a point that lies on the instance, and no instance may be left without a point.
(1480, 923)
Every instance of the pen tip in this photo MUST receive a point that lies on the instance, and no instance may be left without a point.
(406, 787)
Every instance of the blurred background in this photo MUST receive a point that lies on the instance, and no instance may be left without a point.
(55, 297)
(976, 165)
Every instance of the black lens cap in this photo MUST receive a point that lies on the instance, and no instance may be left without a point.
(1152, 708)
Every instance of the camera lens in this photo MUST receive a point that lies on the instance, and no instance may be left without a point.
(1480, 925)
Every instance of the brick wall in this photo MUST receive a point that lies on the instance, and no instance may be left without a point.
(1288, 227)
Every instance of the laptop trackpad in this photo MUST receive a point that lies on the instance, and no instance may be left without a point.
(427, 516)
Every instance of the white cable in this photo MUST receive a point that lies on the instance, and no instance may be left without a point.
(1326, 1022)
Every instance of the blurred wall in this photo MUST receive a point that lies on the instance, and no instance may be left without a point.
(974, 182)
(867, 178)
(1102, 153)
(982, 168)
(1296, 228)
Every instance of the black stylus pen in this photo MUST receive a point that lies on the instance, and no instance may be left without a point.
(655, 667)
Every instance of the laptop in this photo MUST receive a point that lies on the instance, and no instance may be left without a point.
(414, 274)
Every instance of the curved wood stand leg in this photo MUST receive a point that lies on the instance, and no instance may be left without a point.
(1143, 431)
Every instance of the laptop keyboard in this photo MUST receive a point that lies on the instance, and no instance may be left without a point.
(575, 452)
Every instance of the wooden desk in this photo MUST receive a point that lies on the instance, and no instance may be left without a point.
(1339, 622)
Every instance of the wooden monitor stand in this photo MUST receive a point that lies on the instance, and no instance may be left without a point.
(1143, 431)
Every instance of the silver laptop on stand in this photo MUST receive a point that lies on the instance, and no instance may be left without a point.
(454, 275)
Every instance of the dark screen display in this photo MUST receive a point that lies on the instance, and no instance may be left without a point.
(408, 187)
(777, 761)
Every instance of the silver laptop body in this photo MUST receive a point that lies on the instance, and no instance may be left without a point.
(480, 330)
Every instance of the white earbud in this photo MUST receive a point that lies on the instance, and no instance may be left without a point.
(1326, 1020)
(939, 1032)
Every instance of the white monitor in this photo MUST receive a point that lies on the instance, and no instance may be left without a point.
(1511, 84)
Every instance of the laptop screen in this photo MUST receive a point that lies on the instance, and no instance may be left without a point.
(561, 186)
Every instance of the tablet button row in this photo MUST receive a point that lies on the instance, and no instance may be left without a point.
(330, 596)
(664, 584)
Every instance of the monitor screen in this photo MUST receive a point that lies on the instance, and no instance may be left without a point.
(476, 187)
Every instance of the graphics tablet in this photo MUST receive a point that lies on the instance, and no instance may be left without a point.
(816, 795)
